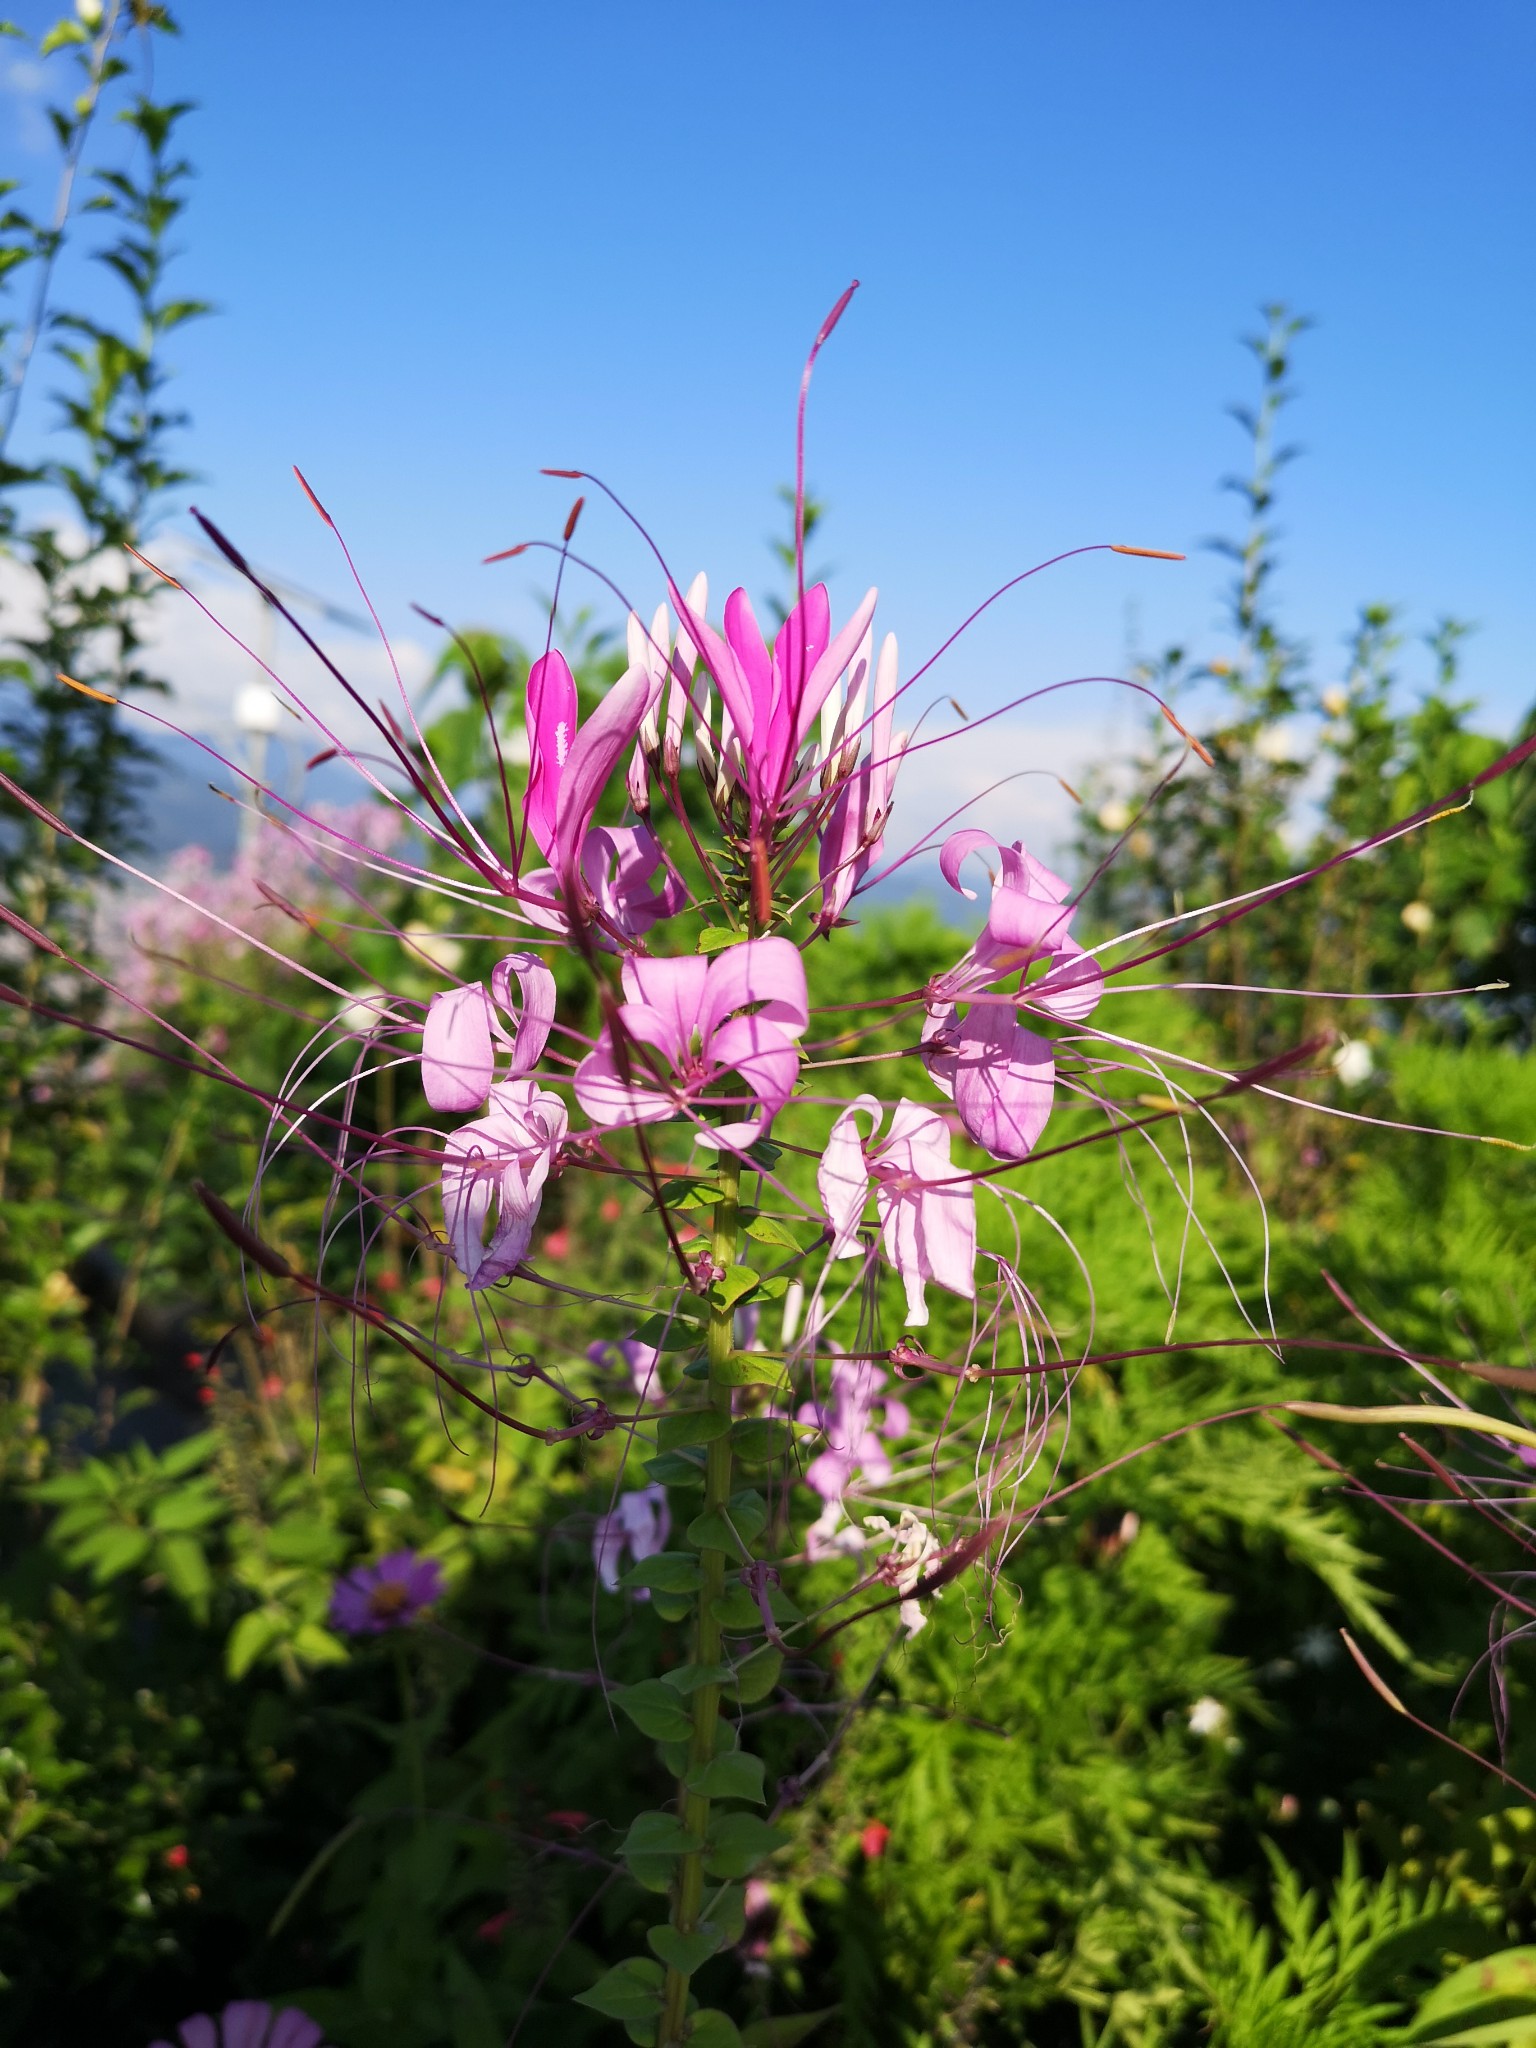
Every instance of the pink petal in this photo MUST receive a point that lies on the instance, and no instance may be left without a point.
(1004, 1081)
(769, 972)
(551, 721)
(596, 752)
(842, 1178)
(831, 665)
(674, 989)
(532, 1027)
(956, 848)
(457, 1057)
(764, 1058)
(1072, 987)
(929, 1231)
(735, 690)
(606, 1097)
(746, 642)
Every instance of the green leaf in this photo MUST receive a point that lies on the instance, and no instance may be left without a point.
(658, 1834)
(60, 36)
(652, 1873)
(765, 1153)
(313, 1644)
(186, 1571)
(675, 1468)
(671, 1333)
(759, 1439)
(191, 1507)
(759, 1675)
(747, 1512)
(114, 1551)
(690, 1194)
(668, 1571)
(744, 1369)
(734, 1284)
(186, 1456)
(711, 2028)
(672, 1606)
(654, 1709)
(738, 1776)
(787, 2031)
(688, 1678)
(252, 1635)
(631, 1990)
(769, 1230)
(738, 1842)
(684, 1952)
(715, 938)
(1489, 2001)
(691, 1426)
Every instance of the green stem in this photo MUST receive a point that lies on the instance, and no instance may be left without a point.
(411, 1735)
(693, 1807)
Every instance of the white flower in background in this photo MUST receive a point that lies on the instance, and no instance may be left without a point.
(1354, 1062)
(1274, 743)
(1208, 1717)
(913, 1544)
(830, 1536)
(1418, 917)
(1335, 701)
(1115, 815)
(436, 947)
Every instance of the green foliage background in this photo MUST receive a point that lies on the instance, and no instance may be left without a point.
(1131, 1795)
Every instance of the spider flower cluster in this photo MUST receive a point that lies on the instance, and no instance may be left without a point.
(645, 893)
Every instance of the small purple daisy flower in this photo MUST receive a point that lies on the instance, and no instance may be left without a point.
(248, 2023)
(386, 1595)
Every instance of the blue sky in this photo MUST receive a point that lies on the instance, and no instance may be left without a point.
(451, 246)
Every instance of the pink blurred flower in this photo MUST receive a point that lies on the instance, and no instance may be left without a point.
(639, 1525)
(855, 1443)
(628, 1354)
(374, 1598)
(248, 2023)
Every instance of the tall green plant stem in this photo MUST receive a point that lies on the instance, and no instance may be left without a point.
(693, 1807)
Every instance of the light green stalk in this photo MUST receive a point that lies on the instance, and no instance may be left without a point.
(693, 1807)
